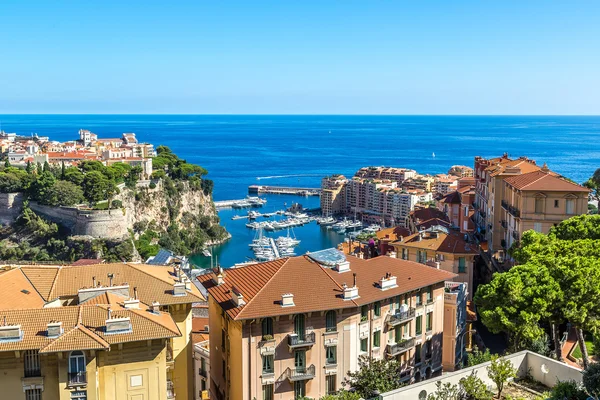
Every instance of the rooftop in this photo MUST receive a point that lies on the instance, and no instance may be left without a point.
(438, 240)
(543, 181)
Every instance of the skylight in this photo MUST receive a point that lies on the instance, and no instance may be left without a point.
(328, 257)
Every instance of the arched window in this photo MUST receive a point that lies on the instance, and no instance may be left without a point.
(299, 328)
(267, 327)
(77, 367)
(330, 321)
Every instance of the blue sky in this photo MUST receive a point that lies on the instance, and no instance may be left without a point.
(300, 57)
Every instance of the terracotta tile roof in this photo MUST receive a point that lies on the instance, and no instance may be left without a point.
(199, 324)
(106, 298)
(543, 181)
(524, 165)
(84, 327)
(393, 233)
(452, 198)
(42, 278)
(433, 222)
(441, 242)
(199, 338)
(87, 261)
(18, 292)
(314, 287)
(427, 213)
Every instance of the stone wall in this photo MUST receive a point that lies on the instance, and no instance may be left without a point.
(106, 224)
(10, 207)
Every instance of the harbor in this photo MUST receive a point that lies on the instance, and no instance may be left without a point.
(298, 191)
(248, 202)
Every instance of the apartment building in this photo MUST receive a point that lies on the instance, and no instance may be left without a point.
(422, 218)
(538, 200)
(489, 178)
(419, 182)
(397, 175)
(444, 184)
(461, 171)
(98, 332)
(457, 326)
(201, 343)
(293, 327)
(439, 247)
(458, 206)
(333, 195)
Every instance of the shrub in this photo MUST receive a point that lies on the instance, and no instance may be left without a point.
(568, 390)
(152, 185)
(267, 337)
(500, 371)
(591, 380)
(116, 204)
(475, 389)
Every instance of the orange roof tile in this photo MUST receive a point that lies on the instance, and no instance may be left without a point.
(18, 292)
(543, 181)
(438, 241)
(262, 285)
(42, 278)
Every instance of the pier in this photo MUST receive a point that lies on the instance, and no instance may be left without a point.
(274, 248)
(242, 203)
(300, 191)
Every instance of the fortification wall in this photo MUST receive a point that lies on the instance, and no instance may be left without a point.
(107, 224)
(10, 207)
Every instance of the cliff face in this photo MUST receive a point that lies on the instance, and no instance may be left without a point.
(165, 206)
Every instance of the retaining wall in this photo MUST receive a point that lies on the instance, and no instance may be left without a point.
(10, 207)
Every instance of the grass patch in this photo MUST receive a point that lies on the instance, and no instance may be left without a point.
(588, 343)
(101, 206)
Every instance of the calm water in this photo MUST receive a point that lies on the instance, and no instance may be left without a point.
(298, 150)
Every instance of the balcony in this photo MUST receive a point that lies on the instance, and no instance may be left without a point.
(504, 224)
(305, 340)
(482, 213)
(170, 390)
(394, 349)
(400, 316)
(267, 347)
(77, 378)
(428, 332)
(406, 375)
(512, 210)
(429, 301)
(330, 338)
(203, 373)
(170, 357)
(299, 374)
(516, 236)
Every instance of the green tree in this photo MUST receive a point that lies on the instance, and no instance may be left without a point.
(64, 193)
(477, 357)
(29, 167)
(517, 301)
(7, 163)
(95, 187)
(591, 380)
(474, 388)
(446, 391)
(40, 189)
(374, 376)
(500, 371)
(579, 227)
(74, 175)
(594, 185)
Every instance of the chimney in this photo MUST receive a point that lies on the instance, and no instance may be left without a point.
(132, 304)
(387, 282)
(155, 307)
(54, 329)
(237, 297)
(93, 281)
(350, 292)
(287, 300)
(110, 278)
(179, 289)
(354, 278)
(343, 266)
(545, 168)
(135, 294)
(188, 283)
(218, 276)
(10, 333)
(117, 325)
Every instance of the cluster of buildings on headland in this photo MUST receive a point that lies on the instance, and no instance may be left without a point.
(21, 150)
(289, 328)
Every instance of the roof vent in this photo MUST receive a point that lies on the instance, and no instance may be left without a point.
(132, 304)
(287, 300)
(387, 282)
(117, 325)
(218, 276)
(344, 266)
(237, 297)
(350, 292)
(54, 329)
(179, 289)
(10, 333)
(155, 308)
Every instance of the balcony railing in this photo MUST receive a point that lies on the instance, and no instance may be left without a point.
(428, 332)
(299, 374)
(267, 347)
(504, 224)
(515, 235)
(203, 373)
(306, 339)
(169, 350)
(393, 349)
(406, 374)
(400, 316)
(512, 210)
(429, 301)
(170, 390)
(77, 378)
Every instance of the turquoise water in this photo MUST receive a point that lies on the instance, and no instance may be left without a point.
(299, 150)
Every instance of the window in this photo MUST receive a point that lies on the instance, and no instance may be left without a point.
(299, 389)
(267, 364)
(299, 326)
(417, 354)
(419, 325)
(376, 338)
(224, 370)
(461, 265)
(364, 313)
(429, 294)
(539, 205)
(421, 256)
(267, 392)
(570, 206)
(77, 368)
(466, 211)
(428, 349)
(330, 321)
(419, 299)
(78, 395)
(405, 254)
(267, 327)
(397, 333)
(202, 385)
(364, 345)
(330, 384)
(223, 340)
(33, 394)
(556, 203)
(202, 366)
(300, 360)
(397, 302)
(331, 355)
(537, 226)
(429, 321)
(377, 309)
(31, 363)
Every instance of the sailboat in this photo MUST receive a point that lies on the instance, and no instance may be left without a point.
(433, 155)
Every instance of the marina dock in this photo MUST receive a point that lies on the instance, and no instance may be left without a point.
(300, 191)
(242, 203)
(274, 248)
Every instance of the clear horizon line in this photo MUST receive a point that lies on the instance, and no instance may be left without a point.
(314, 114)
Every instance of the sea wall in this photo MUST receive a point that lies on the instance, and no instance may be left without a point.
(10, 207)
(107, 224)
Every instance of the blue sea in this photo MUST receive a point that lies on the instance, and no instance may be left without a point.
(241, 150)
